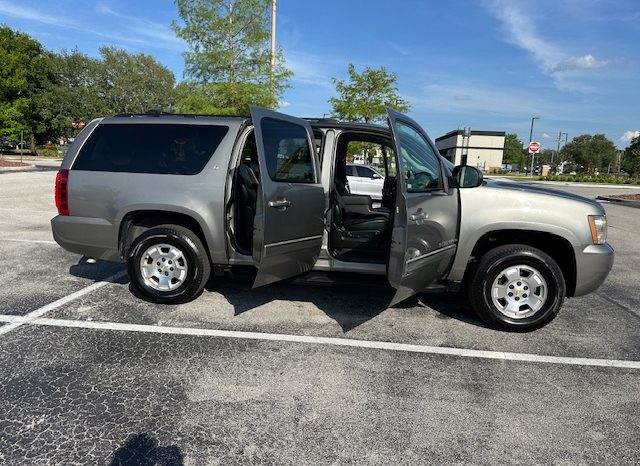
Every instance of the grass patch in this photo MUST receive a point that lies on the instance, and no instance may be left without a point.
(604, 179)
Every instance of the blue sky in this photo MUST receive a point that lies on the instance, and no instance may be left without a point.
(488, 65)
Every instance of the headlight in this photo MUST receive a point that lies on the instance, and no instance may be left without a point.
(598, 225)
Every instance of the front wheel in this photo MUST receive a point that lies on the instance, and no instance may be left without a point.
(168, 264)
(517, 287)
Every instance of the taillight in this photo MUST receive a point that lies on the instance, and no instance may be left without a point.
(62, 194)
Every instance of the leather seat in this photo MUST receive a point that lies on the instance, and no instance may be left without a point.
(366, 224)
(377, 221)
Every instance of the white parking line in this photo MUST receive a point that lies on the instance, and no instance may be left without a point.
(16, 321)
(16, 240)
(381, 345)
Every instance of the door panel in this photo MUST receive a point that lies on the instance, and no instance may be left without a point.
(425, 223)
(289, 221)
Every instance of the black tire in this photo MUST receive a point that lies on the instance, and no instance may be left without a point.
(491, 271)
(194, 259)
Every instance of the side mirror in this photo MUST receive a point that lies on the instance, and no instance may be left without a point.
(466, 176)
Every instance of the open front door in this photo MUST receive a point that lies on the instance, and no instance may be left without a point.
(425, 220)
(289, 221)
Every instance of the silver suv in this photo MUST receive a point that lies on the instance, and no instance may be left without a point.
(176, 196)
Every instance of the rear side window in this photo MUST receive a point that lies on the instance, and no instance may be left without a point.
(150, 148)
(365, 172)
(287, 151)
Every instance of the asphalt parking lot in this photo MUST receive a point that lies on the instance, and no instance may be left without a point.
(297, 373)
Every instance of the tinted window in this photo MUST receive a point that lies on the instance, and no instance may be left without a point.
(287, 151)
(366, 172)
(150, 148)
(420, 163)
(350, 171)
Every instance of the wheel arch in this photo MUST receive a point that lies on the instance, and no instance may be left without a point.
(135, 222)
(557, 247)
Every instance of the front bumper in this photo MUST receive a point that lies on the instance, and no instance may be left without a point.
(593, 264)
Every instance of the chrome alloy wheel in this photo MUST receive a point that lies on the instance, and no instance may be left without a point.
(163, 267)
(519, 291)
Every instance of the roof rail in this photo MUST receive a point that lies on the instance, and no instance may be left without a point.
(159, 113)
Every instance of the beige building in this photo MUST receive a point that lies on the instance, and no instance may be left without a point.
(482, 149)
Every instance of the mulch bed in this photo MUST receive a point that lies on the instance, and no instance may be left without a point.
(11, 163)
(627, 197)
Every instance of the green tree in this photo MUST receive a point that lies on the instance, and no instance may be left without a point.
(229, 46)
(25, 72)
(631, 157)
(75, 93)
(220, 98)
(592, 152)
(134, 83)
(513, 151)
(366, 94)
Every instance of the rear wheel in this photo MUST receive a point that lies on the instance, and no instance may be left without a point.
(517, 287)
(168, 264)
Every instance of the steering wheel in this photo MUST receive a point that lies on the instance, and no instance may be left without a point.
(420, 180)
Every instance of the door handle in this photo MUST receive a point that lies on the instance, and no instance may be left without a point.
(281, 204)
(418, 217)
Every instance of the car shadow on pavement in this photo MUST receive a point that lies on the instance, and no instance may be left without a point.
(143, 450)
(98, 271)
(350, 303)
(449, 306)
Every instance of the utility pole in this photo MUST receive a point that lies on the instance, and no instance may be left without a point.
(466, 135)
(533, 156)
(272, 74)
(558, 149)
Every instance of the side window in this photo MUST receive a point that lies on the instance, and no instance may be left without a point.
(350, 170)
(288, 154)
(367, 172)
(150, 148)
(420, 162)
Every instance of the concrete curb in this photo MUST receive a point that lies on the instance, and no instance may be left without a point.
(32, 158)
(577, 184)
(624, 202)
(23, 168)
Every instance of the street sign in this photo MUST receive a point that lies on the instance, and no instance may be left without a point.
(534, 147)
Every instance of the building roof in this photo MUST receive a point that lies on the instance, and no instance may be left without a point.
(460, 132)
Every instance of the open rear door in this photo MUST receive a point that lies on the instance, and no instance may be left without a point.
(289, 221)
(425, 221)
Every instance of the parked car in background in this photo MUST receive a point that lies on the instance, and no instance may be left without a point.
(365, 180)
(6, 145)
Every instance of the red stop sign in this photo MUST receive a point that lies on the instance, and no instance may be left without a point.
(534, 147)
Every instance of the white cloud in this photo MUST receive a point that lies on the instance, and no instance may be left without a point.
(551, 58)
(495, 101)
(137, 31)
(522, 32)
(30, 14)
(629, 135)
(156, 32)
(546, 136)
(310, 70)
(585, 62)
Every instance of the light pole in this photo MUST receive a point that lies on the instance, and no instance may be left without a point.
(533, 156)
(272, 70)
(558, 149)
